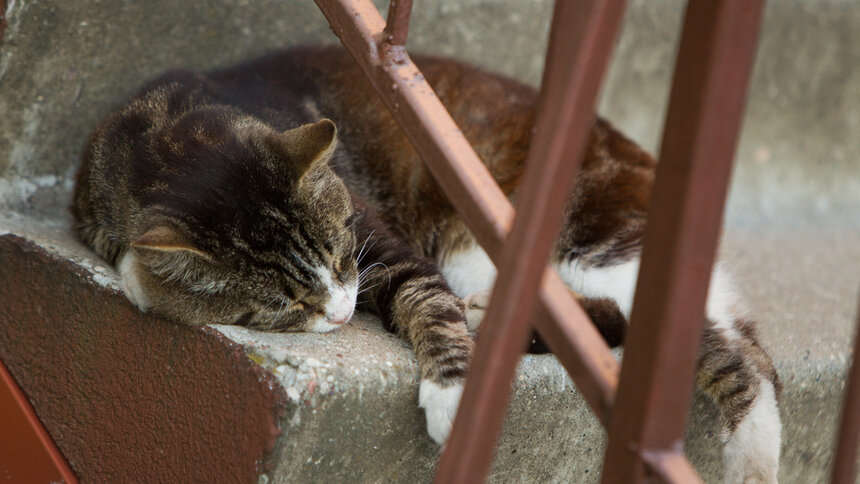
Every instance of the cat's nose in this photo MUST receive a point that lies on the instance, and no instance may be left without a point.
(340, 319)
(342, 306)
(341, 311)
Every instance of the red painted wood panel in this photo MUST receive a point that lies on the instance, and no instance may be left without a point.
(27, 453)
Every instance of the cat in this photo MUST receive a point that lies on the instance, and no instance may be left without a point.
(229, 197)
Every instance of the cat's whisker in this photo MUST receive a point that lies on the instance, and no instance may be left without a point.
(272, 300)
(368, 288)
(278, 313)
(355, 220)
(367, 252)
(361, 252)
(367, 269)
(285, 302)
(371, 266)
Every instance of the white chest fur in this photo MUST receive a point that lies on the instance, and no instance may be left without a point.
(129, 281)
(471, 271)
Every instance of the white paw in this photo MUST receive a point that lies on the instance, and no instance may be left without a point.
(751, 453)
(440, 406)
(129, 281)
(476, 306)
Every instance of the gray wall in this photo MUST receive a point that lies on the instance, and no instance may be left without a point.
(64, 64)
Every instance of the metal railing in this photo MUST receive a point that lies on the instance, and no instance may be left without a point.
(649, 395)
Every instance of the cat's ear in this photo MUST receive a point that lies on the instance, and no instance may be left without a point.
(166, 239)
(307, 146)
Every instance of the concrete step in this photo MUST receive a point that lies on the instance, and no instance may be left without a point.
(129, 397)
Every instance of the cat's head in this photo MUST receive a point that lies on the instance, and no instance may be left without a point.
(246, 225)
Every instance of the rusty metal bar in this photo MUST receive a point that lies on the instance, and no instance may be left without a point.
(3, 22)
(707, 100)
(397, 26)
(447, 153)
(471, 189)
(580, 349)
(582, 35)
(845, 459)
(671, 467)
(27, 451)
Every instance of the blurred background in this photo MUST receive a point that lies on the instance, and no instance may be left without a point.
(65, 64)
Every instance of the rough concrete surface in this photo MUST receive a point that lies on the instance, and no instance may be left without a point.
(348, 406)
(347, 401)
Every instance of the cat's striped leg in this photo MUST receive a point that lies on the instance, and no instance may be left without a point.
(737, 374)
(733, 370)
(413, 299)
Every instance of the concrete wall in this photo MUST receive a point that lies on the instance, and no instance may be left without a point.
(799, 159)
(64, 64)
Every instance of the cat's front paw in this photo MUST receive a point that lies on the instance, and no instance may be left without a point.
(751, 453)
(440, 406)
(476, 307)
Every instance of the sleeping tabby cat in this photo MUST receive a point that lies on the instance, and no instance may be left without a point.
(227, 198)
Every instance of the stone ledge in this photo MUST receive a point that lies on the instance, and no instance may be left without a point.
(346, 401)
(130, 397)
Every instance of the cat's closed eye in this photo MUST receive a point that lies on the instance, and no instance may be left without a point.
(245, 319)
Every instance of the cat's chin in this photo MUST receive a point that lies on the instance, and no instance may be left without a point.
(324, 325)
(339, 309)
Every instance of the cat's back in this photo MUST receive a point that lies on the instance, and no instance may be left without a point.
(378, 161)
(495, 113)
(166, 146)
(122, 135)
(102, 203)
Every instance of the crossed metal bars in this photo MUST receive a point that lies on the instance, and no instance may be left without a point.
(643, 403)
